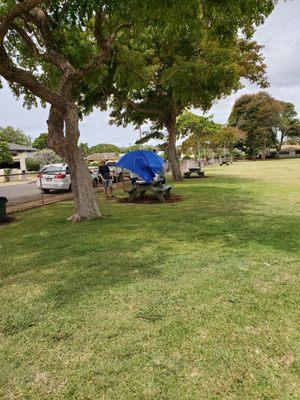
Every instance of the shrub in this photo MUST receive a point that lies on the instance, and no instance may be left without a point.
(46, 156)
(32, 165)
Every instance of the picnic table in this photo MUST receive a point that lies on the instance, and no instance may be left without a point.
(141, 187)
(194, 171)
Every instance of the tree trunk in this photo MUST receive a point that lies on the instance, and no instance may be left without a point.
(264, 148)
(86, 207)
(85, 204)
(172, 152)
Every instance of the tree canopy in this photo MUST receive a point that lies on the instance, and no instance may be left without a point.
(104, 148)
(9, 134)
(41, 141)
(5, 155)
(200, 62)
(290, 124)
(267, 122)
(203, 134)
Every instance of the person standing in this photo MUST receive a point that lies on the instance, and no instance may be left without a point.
(107, 179)
(133, 177)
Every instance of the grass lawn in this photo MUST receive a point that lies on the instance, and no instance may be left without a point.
(191, 300)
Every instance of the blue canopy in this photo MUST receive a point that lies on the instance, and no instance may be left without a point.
(143, 163)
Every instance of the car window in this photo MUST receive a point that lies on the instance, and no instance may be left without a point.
(67, 170)
(52, 169)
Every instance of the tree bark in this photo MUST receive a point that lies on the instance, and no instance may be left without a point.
(65, 145)
(85, 204)
(172, 152)
(264, 148)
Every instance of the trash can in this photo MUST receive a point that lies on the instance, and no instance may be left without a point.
(3, 201)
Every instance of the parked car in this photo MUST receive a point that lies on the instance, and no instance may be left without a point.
(57, 177)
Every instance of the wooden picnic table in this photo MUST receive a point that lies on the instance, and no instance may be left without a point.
(194, 171)
(141, 187)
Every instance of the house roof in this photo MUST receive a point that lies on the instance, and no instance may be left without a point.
(102, 156)
(20, 147)
(286, 147)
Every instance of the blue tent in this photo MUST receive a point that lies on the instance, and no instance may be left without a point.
(143, 163)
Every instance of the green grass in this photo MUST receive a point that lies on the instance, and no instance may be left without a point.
(192, 300)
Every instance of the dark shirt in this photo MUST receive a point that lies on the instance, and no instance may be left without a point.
(104, 171)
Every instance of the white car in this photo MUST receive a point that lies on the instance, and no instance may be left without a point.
(57, 177)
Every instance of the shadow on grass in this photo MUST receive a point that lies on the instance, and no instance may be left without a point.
(133, 243)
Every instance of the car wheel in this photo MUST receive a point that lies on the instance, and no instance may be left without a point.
(95, 183)
(70, 188)
(46, 191)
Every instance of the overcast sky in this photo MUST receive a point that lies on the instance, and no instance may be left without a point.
(281, 37)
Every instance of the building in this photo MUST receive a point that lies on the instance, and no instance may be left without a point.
(287, 151)
(16, 170)
(19, 153)
(290, 151)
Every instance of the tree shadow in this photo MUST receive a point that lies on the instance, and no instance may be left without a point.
(133, 243)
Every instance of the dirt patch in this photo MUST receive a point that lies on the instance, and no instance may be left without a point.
(151, 199)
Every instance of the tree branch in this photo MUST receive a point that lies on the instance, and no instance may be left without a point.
(27, 39)
(20, 8)
(138, 108)
(51, 55)
(25, 78)
(98, 28)
(106, 46)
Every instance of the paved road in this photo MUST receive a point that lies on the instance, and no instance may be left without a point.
(20, 193)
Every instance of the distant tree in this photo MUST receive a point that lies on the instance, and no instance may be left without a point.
(105, 148)
(198, 130)
(5, 155)
(259, 115)
(84, 148)
(290, 125)
(293, 141)
(224, 140)
(137, 147)
(203, 135)
(41, 141)
(11, 135)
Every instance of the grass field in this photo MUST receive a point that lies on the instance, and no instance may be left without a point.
(197, 299)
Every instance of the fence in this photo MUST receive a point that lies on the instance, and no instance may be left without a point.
(15, 175)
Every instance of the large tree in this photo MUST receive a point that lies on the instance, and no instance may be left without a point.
(65, 53)
(9, 134)
(260, 116)
(198, 63)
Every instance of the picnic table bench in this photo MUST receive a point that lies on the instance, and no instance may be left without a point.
(194, 171)
(141, 187)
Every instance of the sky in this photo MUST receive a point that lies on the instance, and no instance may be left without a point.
(280, 36)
